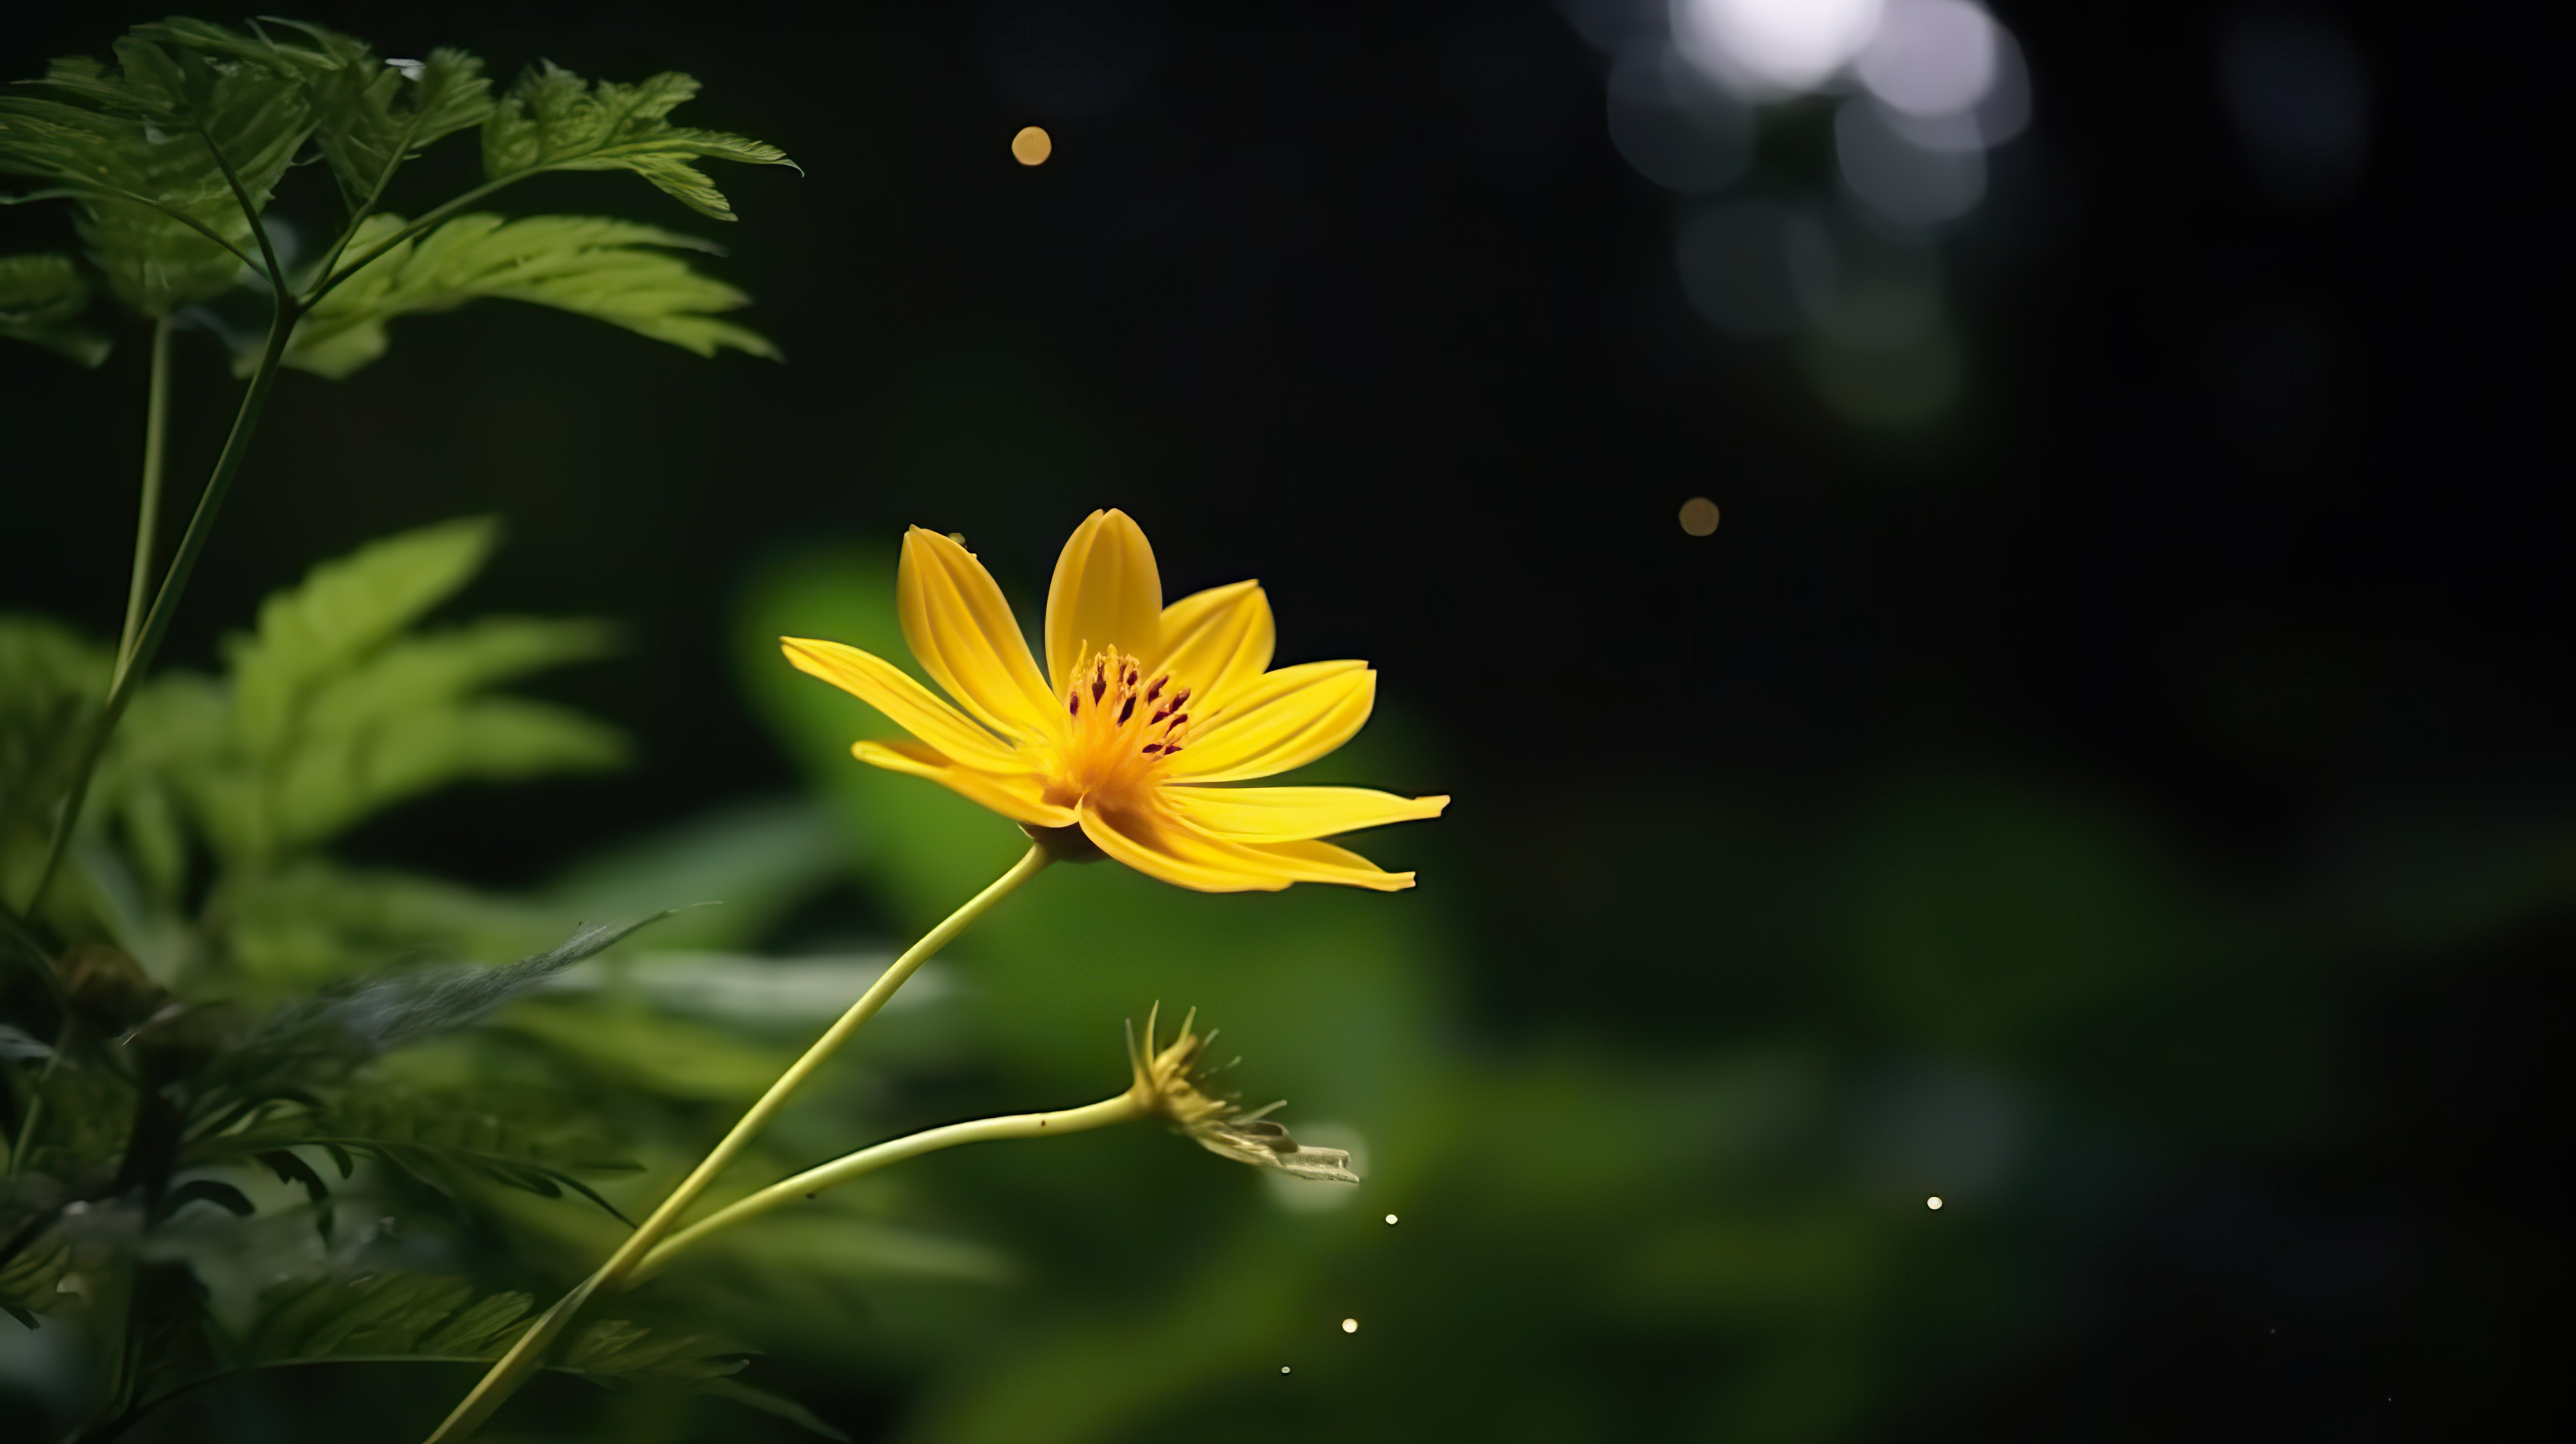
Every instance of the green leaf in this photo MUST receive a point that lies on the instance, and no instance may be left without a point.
(620, 1351)
(368, 113)
(609, 270)
(41, 299)
(51, 680)
(768, 1403)
(28, 1278)
(425, 1317)
(631, 1047)
(407, 1005)
(135, 143)
(446, 1141)
(344, 610)
(311, 921)
(206, 1190)
(384, 1314)
(552, 120)
(403, 723)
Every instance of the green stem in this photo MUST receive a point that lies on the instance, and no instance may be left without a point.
(156, 442)
(528, 1354)
(165, 603)
(868, 1160)
(332, 279)
(133, 662)
(358, 217)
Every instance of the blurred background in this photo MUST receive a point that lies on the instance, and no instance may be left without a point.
(2101, 761)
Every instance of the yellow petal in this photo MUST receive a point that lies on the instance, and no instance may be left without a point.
(1017, 796)
(1106, 593)
(1217, 640)
(906, 703)
(966, 638)
(1287, 814)
(1286, 719)
(1323, 862)
(1164, 848)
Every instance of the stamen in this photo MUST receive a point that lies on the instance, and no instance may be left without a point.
(1156, 690)
(1127, 708)
(1073, 702)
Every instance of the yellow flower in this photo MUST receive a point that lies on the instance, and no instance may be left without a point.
(1167, 1086)
(1143, 713)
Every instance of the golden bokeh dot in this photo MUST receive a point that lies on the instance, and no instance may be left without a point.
(1031, 146)
(1699, 516)
(1933, 1203)
(1350, 1326)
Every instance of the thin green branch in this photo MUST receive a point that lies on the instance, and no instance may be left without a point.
(156, 439)
(165, 603)
(409, 230)
(841, 1170)
(259, 232)
(358, 217)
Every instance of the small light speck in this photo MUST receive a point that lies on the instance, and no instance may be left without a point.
(1283, 1368)
(1350, 1326)
(1390, 1218)
(1031, 146)
(1933, 1203)
(1699, 516)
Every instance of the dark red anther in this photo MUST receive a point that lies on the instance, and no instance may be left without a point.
(1126, 710)
(1073, 703)
(1152, 747)
(1165, 711)
(1098, 686)
(1156, 690)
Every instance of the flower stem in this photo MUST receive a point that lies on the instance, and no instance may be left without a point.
(528, 1354)
(868, 1160)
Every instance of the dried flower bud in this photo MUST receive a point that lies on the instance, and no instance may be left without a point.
(1167, 1085)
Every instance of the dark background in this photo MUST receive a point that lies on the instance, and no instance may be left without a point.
(2247, 532)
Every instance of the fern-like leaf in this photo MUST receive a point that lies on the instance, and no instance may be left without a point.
(136, 144)
(615, 271)
(345, 609)
(368, 113)
(553, 120)
(41, 300)
(397, 1316)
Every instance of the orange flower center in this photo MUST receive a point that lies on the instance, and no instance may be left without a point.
(1120, 725)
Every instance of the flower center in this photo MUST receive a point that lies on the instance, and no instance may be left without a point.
(1120, 725)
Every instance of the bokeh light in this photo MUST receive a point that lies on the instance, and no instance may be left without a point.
(1032, 146)
(1699, 516)
(1930, 57)
(1770, 48)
